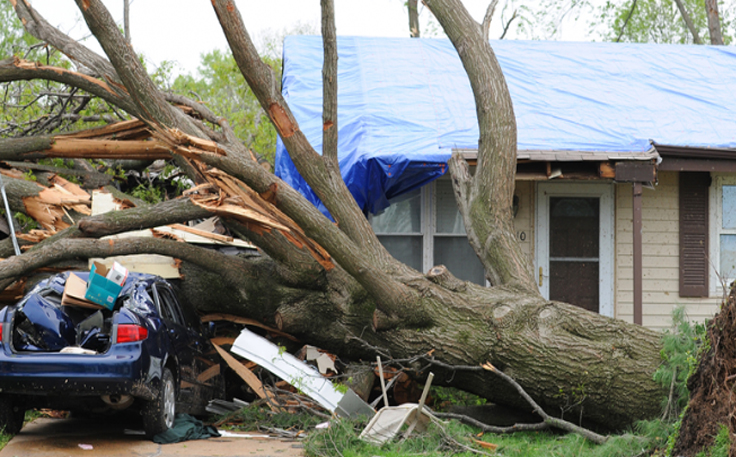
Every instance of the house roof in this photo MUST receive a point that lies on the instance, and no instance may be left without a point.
(405, 104)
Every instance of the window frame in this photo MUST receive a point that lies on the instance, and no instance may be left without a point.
(716, 230)
(428, 224)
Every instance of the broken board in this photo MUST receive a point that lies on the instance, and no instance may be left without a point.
(300, 375)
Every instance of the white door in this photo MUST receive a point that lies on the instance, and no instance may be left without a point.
(574, 244)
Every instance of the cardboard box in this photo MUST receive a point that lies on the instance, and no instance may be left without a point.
(117, 274)
(74, 292)
(102, 290)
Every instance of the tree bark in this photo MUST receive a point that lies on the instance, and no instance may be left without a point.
(714, 22)
(412, 6)
(689, 22)
(485, 199)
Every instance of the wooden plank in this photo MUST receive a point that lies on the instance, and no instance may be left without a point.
(202, 233)
(155, 264)
(223, 340)
(209, 373)
(244, 321)
(247, 376)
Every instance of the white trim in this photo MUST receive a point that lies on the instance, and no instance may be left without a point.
(428, 224)
(604, 191)
(715, 218)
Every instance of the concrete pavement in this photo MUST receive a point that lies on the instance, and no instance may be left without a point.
(106, 436)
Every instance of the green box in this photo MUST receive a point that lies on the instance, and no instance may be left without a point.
(101, 290)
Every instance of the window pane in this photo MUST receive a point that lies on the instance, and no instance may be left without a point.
(403, 216)
(407, 249)
(449, 219)
(728, 257)
(456, 254)
(729, 207)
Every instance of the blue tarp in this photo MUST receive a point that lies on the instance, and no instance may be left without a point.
(404, 104)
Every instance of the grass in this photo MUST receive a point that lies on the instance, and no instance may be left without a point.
(342, 440)
(453, 438)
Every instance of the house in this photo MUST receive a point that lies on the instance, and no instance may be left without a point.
(626, 178)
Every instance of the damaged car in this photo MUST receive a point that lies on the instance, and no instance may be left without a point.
(148, 352)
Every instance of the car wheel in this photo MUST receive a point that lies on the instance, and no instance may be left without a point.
(11, 416)
(158, 415)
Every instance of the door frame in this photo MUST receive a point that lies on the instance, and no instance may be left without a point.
(604, 191)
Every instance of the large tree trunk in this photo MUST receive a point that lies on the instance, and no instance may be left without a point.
(357, 298)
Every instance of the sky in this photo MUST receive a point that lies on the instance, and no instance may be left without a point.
(181, 30)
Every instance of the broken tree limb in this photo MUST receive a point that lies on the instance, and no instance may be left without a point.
(68, 249)
(551, 421)
(167, 212)
(14, 69)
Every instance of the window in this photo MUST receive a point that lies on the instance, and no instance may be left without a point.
(723, 232)
(399, 228)
(451, 247)
(423, 228)
(169, 307)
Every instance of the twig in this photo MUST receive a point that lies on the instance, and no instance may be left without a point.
(552, 421)
(508, 24)
(492, 428)
(623, 27)
(487, 19)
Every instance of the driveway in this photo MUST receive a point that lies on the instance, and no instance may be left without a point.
(63, 437)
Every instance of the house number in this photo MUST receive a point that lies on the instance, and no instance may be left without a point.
(522, 236)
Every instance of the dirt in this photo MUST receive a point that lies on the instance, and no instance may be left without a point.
(94, 437)
(712, 387)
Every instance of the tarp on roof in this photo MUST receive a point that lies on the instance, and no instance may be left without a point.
(404, 104)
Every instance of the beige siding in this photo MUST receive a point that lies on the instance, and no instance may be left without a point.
(524, 220)
(660, 238)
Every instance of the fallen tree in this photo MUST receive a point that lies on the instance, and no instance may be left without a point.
(333, 284)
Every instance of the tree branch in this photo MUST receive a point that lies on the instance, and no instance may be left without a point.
(626, 22)
(413, 18)
(150, 103)
(354, 245)
(70, 249)
(329, 88)
(15, 69)
(487, 19)
(688, 22)
(485, 199)
(552, 421)
(39, 28)
(333, 192)
(714, 22)
(508, 24)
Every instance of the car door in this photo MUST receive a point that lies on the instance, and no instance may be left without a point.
(180, 341)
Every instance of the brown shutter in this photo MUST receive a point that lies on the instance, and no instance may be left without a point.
(694, 234)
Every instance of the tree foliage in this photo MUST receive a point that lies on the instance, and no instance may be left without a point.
(658, 21)
(222, 88)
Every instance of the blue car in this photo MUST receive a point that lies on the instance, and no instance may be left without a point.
(148, 353)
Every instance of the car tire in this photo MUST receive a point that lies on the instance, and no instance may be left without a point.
(11, 416)
(158, 414)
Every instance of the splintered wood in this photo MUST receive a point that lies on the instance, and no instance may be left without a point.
(52, 204)
(230, 197)
(217, 191)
